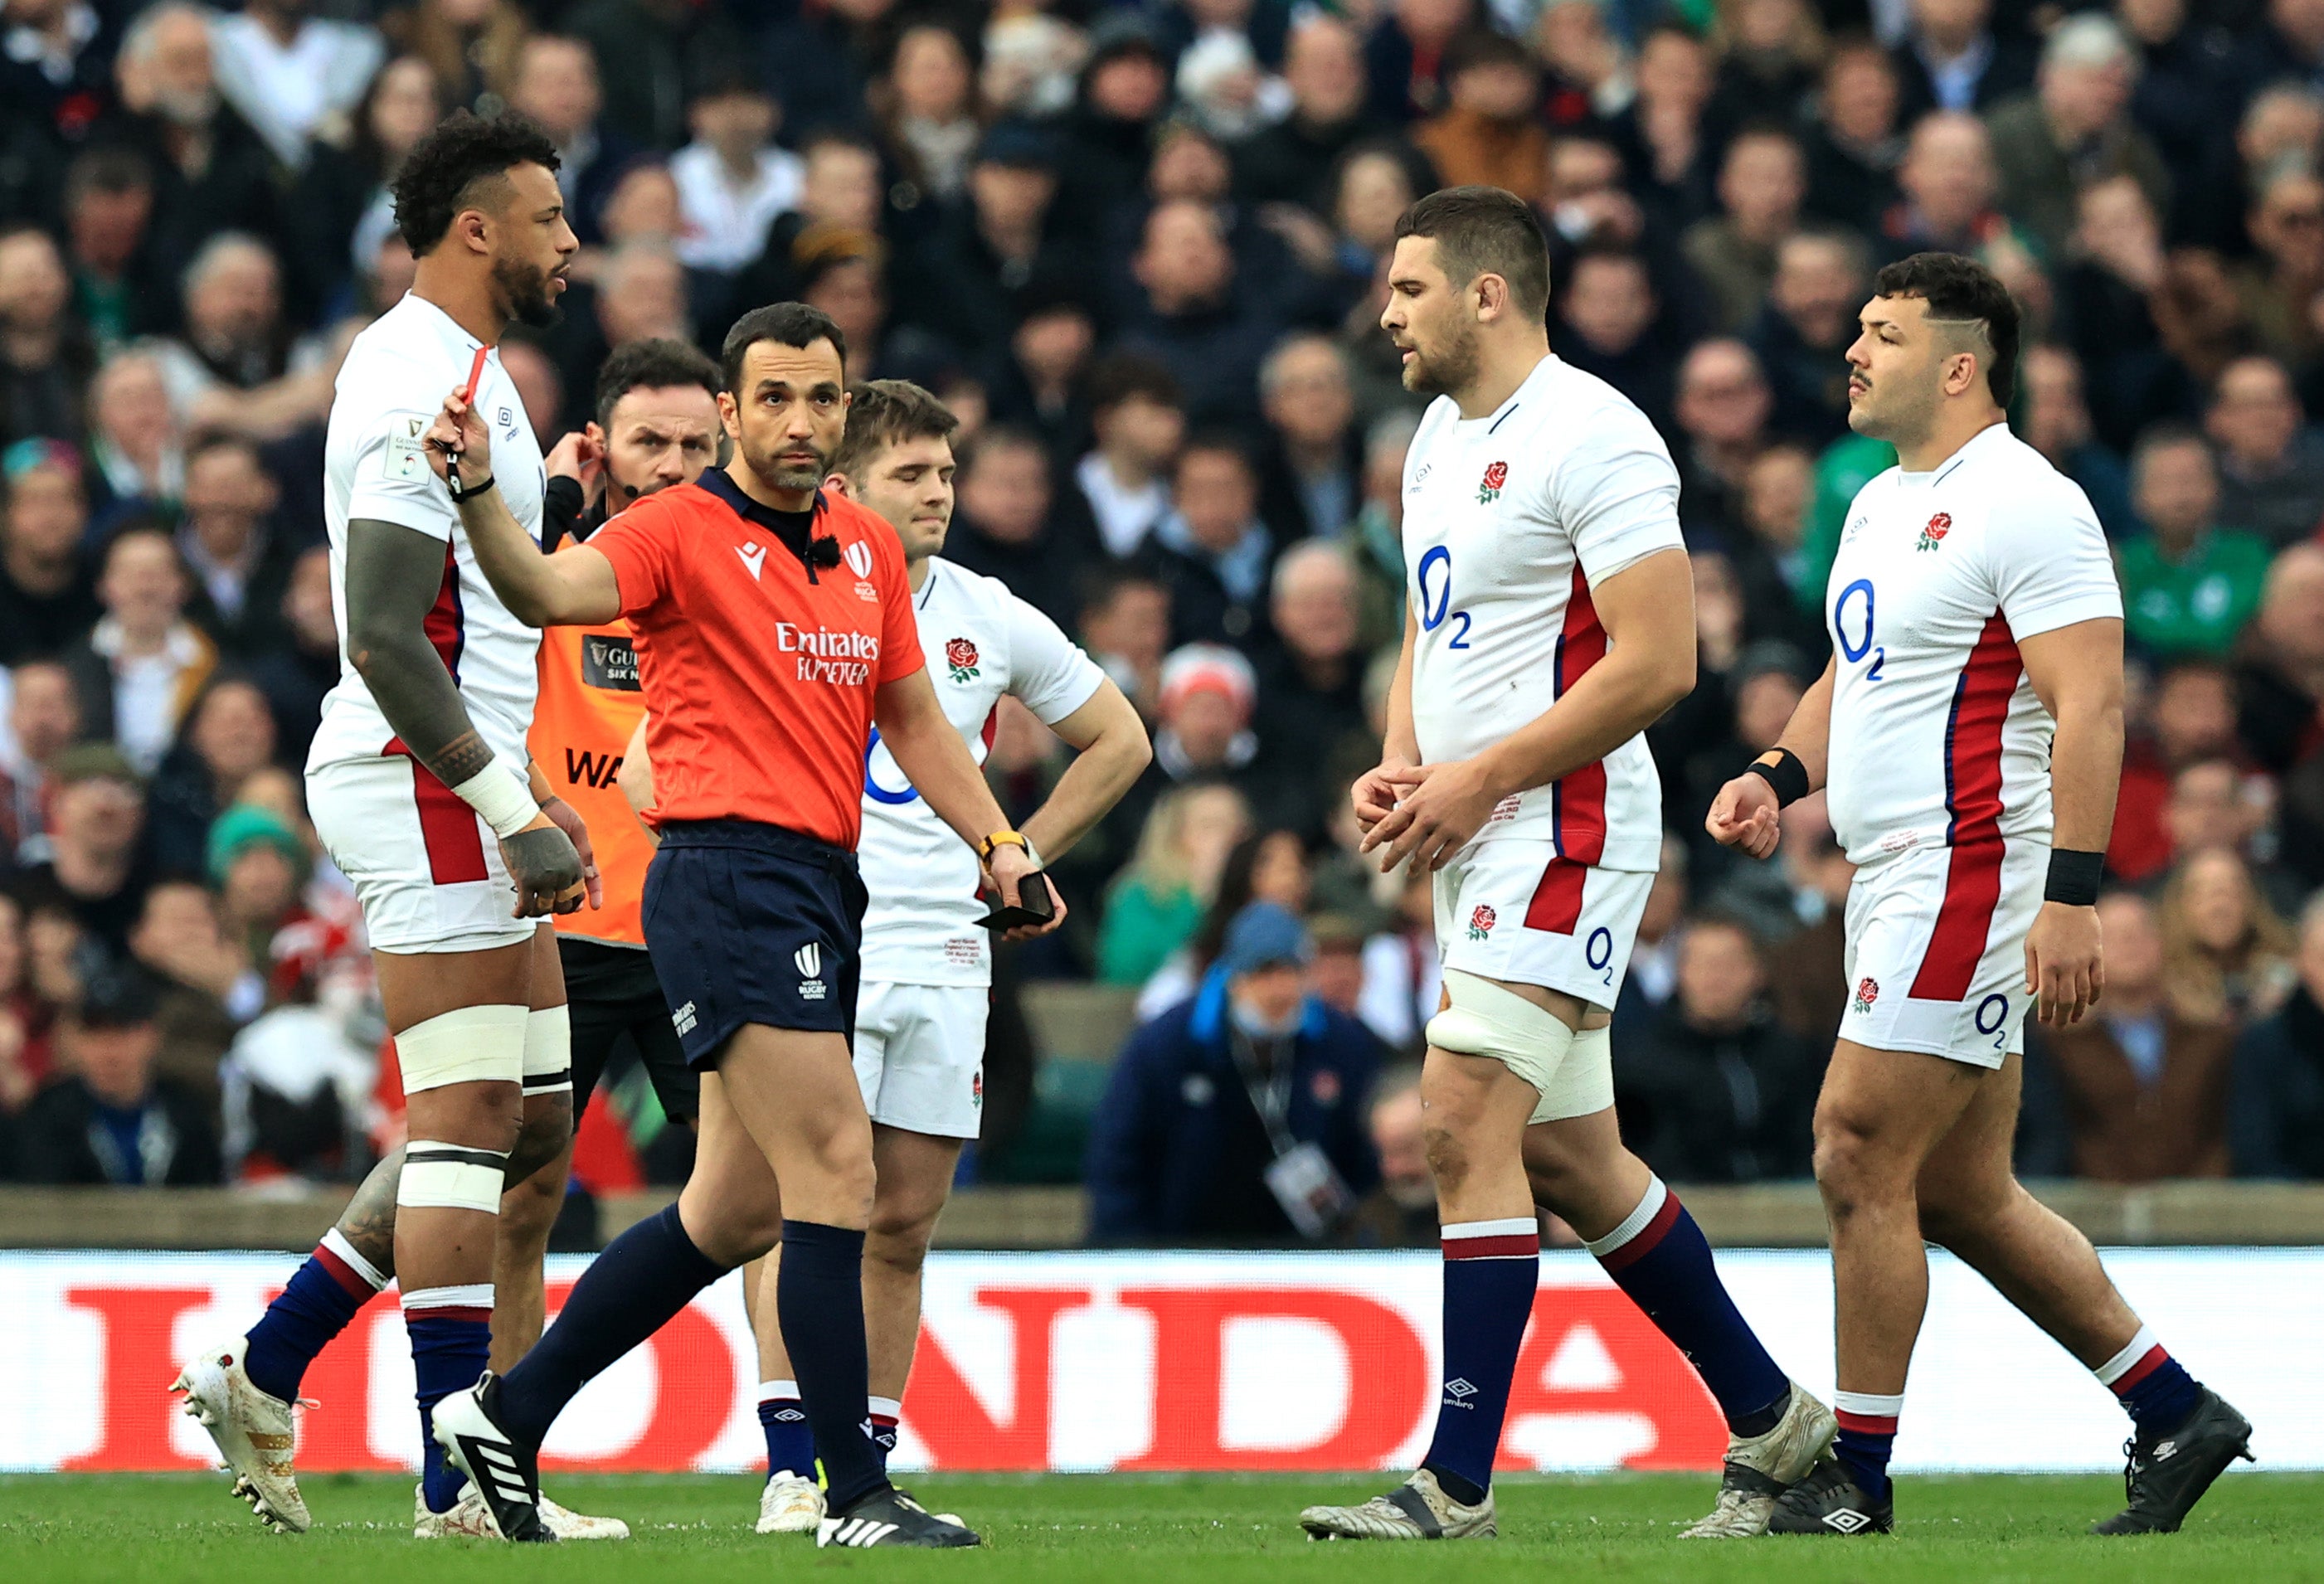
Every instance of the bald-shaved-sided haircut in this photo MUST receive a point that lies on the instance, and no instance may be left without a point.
(1485, 231)
(1965, 299)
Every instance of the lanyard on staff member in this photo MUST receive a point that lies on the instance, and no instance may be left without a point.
(1314, 1197)
(1269, 1091)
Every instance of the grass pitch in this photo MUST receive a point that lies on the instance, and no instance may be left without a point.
(697, 1530)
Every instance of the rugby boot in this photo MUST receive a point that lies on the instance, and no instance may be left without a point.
(1418, 1509)
(1829, 1501)
(2164, 1476)
(1761, 1468)
(889, 1516)
(504, 1473)
(253, 1433)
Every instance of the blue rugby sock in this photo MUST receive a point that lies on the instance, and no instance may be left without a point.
(1867, 1435)
(820, 1299)
(1490, 1271)
(451, 1330)
(1660, 1257)
(322, 1299)
(2154, 1388)
(790, 1446)
(629, 1292)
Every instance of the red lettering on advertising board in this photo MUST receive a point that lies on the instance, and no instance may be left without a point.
(336, 1433)
(1388, 1377)
(1652, 1380)
(944, 1413)
(694, 1396)
(134, 1408)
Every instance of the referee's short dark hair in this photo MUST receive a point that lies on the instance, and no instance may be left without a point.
(1963, 293)
(888, 412)
(1485, 231)
(656, 364)
(441, 174)
(787, 324)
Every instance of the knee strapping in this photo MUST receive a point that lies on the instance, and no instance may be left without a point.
(1485, 1020)
(450, 1176)
(467, 1045)
(548, 1050)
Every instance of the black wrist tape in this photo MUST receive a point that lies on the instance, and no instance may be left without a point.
(1787, 776)
(2074, 877)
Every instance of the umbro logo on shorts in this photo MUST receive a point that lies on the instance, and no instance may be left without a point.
(808, 960)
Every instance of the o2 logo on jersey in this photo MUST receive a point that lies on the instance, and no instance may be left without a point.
(872, 787)
(1934, 532)
(1851, 647)
(1435, 607)
(1993, 1018)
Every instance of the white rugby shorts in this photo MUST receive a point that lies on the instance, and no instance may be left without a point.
(1512, 910)
(1936, 951)
(426, 870)
(919, 1055)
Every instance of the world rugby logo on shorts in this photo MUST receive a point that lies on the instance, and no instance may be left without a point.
(808, 960)
(1480, 922)
(858, 557)
(1867, 990)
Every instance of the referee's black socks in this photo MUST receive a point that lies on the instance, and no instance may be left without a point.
(630, 1290)
(820, 1299)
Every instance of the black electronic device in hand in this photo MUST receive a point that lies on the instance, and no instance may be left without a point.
(1036, 903)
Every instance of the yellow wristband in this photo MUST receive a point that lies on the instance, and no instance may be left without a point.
(1001, 839)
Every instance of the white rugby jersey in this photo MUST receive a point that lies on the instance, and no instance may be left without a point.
(391, 388)
(1509, 520)
(1937, 738)
(981, 642)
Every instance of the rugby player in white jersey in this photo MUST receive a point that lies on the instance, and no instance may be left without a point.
(1967, 735)
(418, 785)
(927, 969)
(1551, 621)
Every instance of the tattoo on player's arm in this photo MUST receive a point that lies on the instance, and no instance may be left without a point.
(368, 1223)
(394, 574)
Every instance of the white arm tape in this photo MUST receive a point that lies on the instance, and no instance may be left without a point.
(450, 1176)
(548, 1050)
(467, 1045)
(501, 798)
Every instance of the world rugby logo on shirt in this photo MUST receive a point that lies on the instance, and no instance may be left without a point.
(858, 557)
(1489, 488)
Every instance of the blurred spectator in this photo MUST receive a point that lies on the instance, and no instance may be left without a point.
(1007, 526)
(470, 45)
(2074, 130)
(1653, 972)
(1717, 1091)
(557, 83)
(1853, 147)
(46, 359)
(296, 674)
(1138, 419)
(1005, 236)
(1202, 723)
(2277, 284)
(340, 211)
(1310, 475)
(291, 76)
(96, 873)
(733, 180)
(1948, 185)
(233, 369)
(48, 589)
(257, 869)
(1310, 699)
(43, 720)
(2188, 583)
(651, 54)
(229, 737)
(1125, 627)
(2226, 955)
(27, 1024)
(1803, 333)
(1405, 56)
(1125, 89)
(2055, 420)
(137, 453)
(211, 172)
(206, 987)
(1155, 902)
(1762, 183)
(1489, 133)
(1401, 1212)
(2144, 1087)
(1211, 551)
(2276, 1117)
(1767, 61)
(2115, 294)
(140, 669)
(239, 566)
(1722, 409)
(1044, 381)
(1290, 161)
(928, 111)
(1239, 1115)
(297, 1095)
(1780, 598)
(53, 73)
(117, 294)
(1589, 67)
(1607, 322)
(1188, 312)
(1266, 866)
(1953, 60)
(110, 1120)
(2279, 690)
(1810, 995)
(1661, 132)
(2188, 715)
(2270, 461)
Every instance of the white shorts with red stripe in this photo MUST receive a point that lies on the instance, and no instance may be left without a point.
(1512, 910)
(426, 870)
(1936, 950)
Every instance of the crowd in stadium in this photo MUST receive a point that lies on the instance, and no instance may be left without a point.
(1140, 252)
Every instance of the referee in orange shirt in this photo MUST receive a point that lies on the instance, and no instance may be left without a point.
(776, 631)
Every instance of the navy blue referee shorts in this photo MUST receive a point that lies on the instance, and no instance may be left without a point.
(751, 923)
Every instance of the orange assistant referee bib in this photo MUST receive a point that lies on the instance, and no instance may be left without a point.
(760, 669)
(589, 704)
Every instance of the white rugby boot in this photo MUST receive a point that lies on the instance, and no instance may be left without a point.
(567, 1524)
(1759, 1468)
(470, 1519)
(253, 1433)
(1418, 1509)
(791, 1503)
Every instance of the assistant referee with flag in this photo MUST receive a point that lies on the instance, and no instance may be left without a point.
(776, 630)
